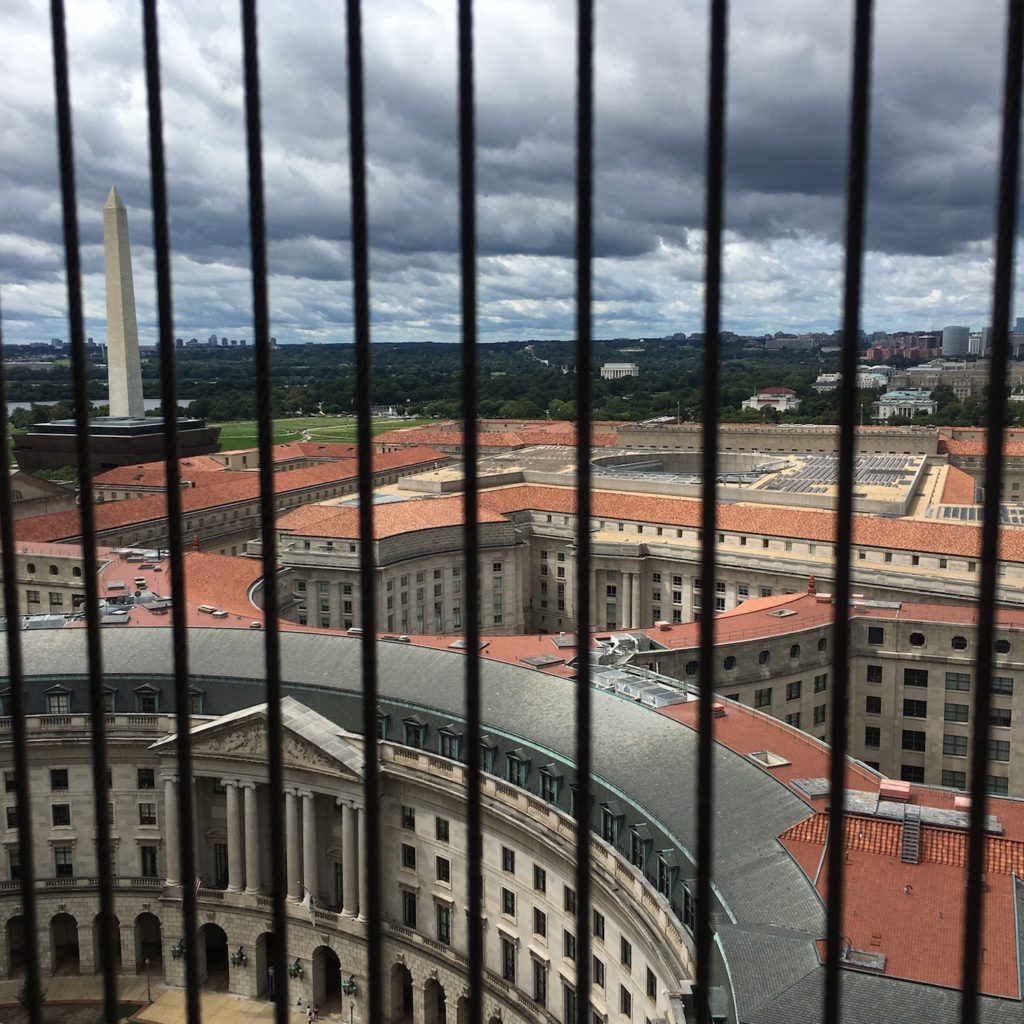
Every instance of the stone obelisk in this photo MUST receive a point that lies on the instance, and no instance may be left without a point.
(124, 370)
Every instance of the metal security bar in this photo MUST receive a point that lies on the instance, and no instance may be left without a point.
(1006, 213)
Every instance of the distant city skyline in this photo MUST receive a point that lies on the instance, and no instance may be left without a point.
(934, 150)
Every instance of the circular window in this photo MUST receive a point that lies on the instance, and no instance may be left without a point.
(691, 668)
(794, 651)
(31, 567)
(764, 657)
(822, 645)
(959, 643)
(76, 570)
(1002, 647)
(729, 663)
(917, 639)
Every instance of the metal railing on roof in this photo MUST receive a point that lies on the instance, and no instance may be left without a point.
(715, 179)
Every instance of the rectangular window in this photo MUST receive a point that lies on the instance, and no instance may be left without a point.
(793, 690)
(912, 773)
(913, 739)
(63, 866)
(540, 922)
(1001, 717)
(598, 972)
(872, 736)
(60, 814)
(569, 900)
(652, 985)
(508, 902)
(958, 681)
(568, 945)
(763, 698)
(408, 817)
(954, 780)
(625, 1002)
(508, 860)
(443, 870)
(540, 879)
(997, 785)
(793, 719)
(954, 746)
(408, 908)
(147, 814)
(408, 856)
(999, 750)
(873, 705)
(626, 953)
(147, 861)
(146, 778)
(14, 862)
(441, 830)
(874, 673)
(540, 983)
(915, 708)
(957, 712)
(598, 925)
(821, 683)
(508, 960)
(444, 924)
(915, 677)
(58, 778)
(819, 714)
(876, 635)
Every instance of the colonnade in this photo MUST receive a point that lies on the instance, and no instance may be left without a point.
(627, 600)
(303, 845)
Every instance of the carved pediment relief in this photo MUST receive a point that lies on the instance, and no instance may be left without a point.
(249, 743)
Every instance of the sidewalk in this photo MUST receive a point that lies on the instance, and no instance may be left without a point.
(168, 1005)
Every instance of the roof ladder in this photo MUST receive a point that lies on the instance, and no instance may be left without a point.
(910, 847)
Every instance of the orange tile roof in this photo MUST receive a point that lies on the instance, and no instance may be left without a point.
(914, 913)
(389, 519)
(759, 520)
(959, 487)
(541, 432)
(227, 489)
(151, 474)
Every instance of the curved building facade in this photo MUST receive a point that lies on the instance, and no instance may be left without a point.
(768, 916)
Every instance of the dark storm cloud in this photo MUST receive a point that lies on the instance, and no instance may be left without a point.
(933, 152)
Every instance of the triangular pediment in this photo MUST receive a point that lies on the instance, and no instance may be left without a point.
(310, 742)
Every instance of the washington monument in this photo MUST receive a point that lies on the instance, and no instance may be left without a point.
(124, 370)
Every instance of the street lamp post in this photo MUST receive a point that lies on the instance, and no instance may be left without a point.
(149, 994)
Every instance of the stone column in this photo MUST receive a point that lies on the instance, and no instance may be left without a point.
(636, 602)
(252, 839)
(364, 897)
(234, 837)
(625, 609)
(595, 604)
(309, 850)
(171, 830)
(349, 860)
(291, 807)
(195, 831)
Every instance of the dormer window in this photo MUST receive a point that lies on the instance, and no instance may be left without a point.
(147, 700)
(449, 743)
(517, 767)
(415, 732)
(58, 701)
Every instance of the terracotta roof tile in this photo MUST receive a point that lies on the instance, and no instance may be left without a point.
(389, 519)
(959, 487)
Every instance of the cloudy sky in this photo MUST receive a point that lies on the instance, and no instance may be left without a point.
(934, 141)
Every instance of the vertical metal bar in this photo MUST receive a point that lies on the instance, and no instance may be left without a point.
(265, 431)
(471, 538)
(367, 598)
(1006, 223)
(856, 187)
(16, 675)
(584, 257)
(172, 452)
(709, 506)
(108, 934)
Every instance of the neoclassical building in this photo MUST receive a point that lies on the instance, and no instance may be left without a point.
(771, 835)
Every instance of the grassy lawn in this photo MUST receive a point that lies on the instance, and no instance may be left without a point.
(242, 433)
